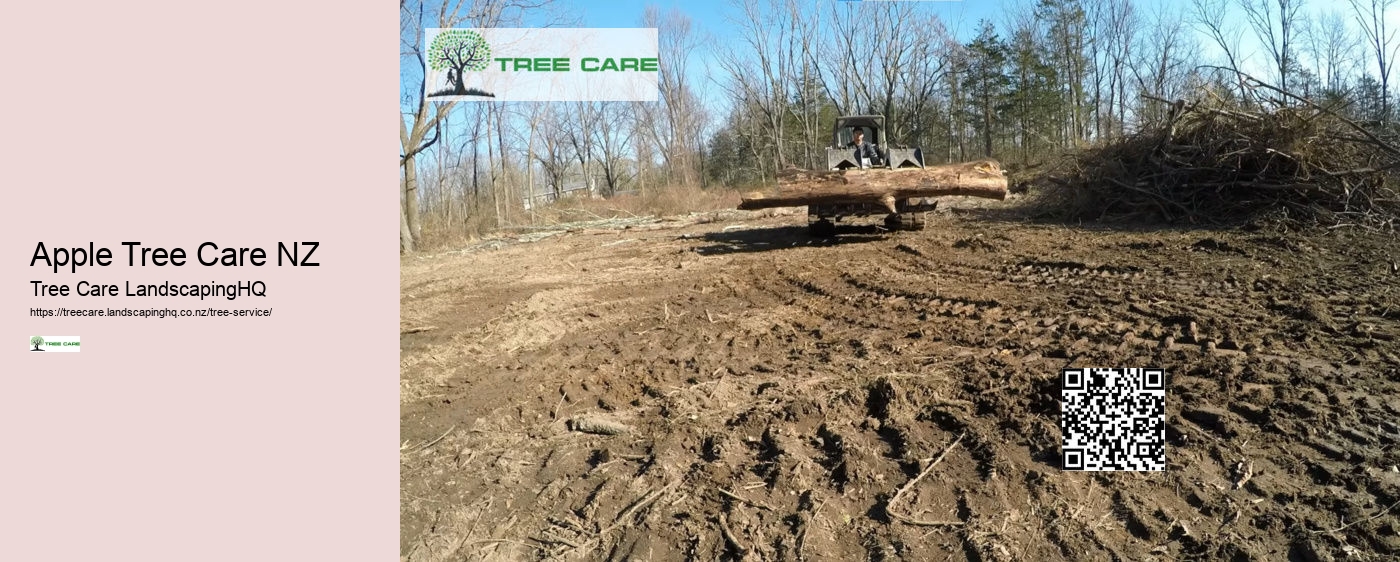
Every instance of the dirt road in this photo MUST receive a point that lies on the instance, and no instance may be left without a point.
(775, 392)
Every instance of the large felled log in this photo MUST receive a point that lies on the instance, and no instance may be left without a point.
(982, 178)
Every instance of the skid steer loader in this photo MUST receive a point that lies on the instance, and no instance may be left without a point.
(909, 215)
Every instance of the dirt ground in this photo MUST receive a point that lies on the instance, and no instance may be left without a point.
(770, 394)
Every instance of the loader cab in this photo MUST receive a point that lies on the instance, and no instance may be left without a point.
(839, 157)
(845, 127)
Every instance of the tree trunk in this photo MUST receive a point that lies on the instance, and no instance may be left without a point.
(405, 235)
(410, 190)
(982, 178)
(505, 170)
(987, 127)
(530, 166)
(442, 203)
(491, 164)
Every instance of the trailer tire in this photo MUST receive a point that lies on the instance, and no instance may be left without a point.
(905, 221)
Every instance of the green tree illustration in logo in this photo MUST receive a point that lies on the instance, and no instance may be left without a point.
(36, 341)
(458, 51)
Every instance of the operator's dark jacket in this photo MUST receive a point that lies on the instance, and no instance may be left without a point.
(866, 149)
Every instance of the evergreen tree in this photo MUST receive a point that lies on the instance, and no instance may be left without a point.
(986, 83)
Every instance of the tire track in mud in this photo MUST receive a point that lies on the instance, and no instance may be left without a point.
(1157, 306)
(967, 319)
(789, 395)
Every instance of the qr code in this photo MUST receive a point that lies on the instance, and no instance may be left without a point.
(1113, 419)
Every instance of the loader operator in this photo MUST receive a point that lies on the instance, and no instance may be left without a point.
(864, 149)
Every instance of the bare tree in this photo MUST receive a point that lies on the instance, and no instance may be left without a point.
(808, 95)
(1165, 57)
(1112, 25)
(1024, 43)
(612, 138)
(957, 58)
(554, 155)
(585, 117)
(1370, 14)
(920, 86)
(413, 134)
(1065, 35)
(1275, 23)
(890, 31)
(643, 147)
(756, 64)
(677, 120)
(1210, 18)
(420, 117)
(1333, 50)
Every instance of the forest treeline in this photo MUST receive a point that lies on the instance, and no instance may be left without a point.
(1046, 77)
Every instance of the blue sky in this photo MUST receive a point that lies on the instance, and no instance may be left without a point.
(960, 16)
(711, 18)
(710, 15)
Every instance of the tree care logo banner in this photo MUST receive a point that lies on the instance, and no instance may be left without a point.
(62, 344)
(535, 64)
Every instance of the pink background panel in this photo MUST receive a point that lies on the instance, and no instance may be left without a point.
(172, 124)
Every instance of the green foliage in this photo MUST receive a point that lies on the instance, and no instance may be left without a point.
(986, 83)
(36, 341)
(460, 49)
(1035, 100)
(1366, 95)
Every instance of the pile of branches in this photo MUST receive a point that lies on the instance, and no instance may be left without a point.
(1281, 157)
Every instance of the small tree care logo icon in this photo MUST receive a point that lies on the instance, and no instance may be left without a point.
(68, 344)
(458, 51)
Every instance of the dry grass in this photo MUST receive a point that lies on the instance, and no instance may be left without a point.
(659, 202)
(439, 232)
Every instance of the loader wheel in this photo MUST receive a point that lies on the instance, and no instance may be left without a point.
(905, 221)
(892, 222)
(823, 228)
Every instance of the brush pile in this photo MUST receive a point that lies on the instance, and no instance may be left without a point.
(1284, 157)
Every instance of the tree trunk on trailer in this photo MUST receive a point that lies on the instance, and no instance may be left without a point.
(982, 178)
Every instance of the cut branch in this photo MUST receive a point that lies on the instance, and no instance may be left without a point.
(902, 518)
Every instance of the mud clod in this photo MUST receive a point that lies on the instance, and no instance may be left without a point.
(599, 426)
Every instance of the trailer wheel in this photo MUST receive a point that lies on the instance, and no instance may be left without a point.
(905, 221)
(912, 221)
(823, 228)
